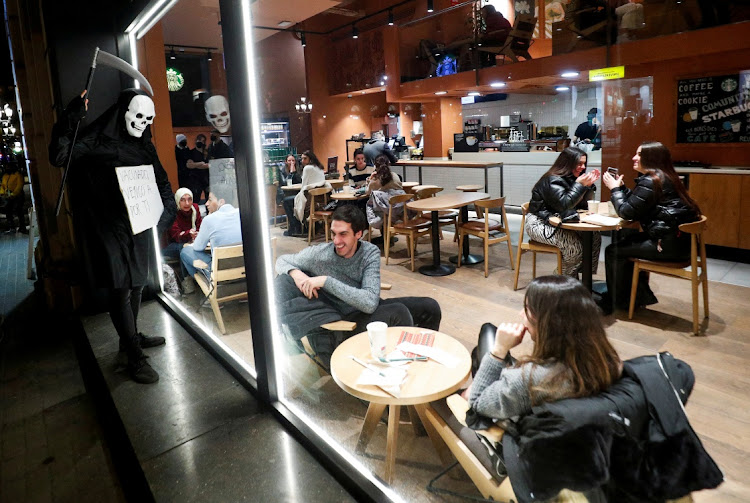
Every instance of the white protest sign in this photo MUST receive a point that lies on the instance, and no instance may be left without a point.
(221, 172)
(141, 196)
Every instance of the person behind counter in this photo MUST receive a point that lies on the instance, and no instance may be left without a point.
(660, 202)
(562, 190)
(590, 131)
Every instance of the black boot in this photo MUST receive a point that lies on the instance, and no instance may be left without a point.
(145, 341)
(140, 371)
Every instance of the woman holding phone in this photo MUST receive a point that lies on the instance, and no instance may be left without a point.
(660, 202)
(572, 356)
(563, 189)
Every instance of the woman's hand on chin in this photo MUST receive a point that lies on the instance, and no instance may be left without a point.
(508, 335)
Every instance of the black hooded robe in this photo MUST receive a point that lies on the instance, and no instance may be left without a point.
(118, 258)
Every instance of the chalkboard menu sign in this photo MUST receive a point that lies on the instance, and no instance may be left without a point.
(714, 109)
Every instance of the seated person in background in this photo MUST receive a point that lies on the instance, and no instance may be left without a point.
(496, 30)
(313, 176)
(220, 227)
(383, 185)
(186, 224)
(360, 171)
(660, 202)
(590, 131)
(572, 356)
(12, 197)
(561, 190)
(374, 148)
(287, 173)
(197, 166)
(341, 281)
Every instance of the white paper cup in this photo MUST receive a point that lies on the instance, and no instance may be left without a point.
(693, 113)
(736, 124)
(289, 182)
(376, 333)
(593, 206)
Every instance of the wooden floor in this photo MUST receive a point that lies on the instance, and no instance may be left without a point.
(718, 408)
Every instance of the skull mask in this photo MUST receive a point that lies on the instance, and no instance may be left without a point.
(217, 112)
(139, 115)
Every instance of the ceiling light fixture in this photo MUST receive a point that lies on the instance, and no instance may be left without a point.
(303, 39)
(303, 106)
(430, 7)
(497, 84)
(390, 17)
(284, 24)
(441, 92)
(172, 55)
(355, 31)
(562, 88)
(474, 93)
(569, 75)
(209, 56)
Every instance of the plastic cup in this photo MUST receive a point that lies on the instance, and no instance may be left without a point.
(376, 333)
(593, 206)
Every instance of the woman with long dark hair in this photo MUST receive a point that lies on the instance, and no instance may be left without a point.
(660, 202)
(563, 189)
(294, 206)
(383, 178)
(572, 356)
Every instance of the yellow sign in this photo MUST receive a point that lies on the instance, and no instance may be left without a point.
(611, 73)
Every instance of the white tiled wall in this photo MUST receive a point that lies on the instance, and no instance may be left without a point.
(563, 109)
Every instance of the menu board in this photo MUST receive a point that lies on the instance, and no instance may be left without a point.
(714, 109)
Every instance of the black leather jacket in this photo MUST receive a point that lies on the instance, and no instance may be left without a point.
(659, 215)
(556, 194)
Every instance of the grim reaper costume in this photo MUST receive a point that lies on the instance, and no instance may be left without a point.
(121, 261)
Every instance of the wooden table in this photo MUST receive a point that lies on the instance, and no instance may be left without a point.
(409, 186)
(426, 382)
(446, 202)
(348, 196)
(587, 238)
(295, 187)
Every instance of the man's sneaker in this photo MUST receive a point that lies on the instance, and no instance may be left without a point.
(141, 372)
(188, 285)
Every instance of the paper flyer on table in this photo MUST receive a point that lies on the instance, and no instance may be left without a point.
(390, 381)
(438, 355)
(600, 219)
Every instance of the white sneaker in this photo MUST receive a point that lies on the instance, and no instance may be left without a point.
(188, 285)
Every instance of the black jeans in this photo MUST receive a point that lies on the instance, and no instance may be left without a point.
(422, 312)
(485, 343)
(124, 304)
(631, 243)
(294, 225)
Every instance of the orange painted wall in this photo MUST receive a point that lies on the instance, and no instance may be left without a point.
(152, 64)
(442, 118)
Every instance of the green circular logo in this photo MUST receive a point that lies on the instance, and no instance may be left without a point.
(175, 80)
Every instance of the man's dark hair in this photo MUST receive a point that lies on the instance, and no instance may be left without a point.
(223, 191)
(351, 215)
(201, 136)
(357, 152)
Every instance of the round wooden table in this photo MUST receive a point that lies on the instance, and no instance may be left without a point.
(425, 382)
(587, 239)
(409, 186)
(295, 187)
(348, 196)
(446, 202)
(469, 188)
(417, 188)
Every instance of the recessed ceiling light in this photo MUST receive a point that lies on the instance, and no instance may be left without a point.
(497, 84)
(474, 93)
(442, 92)
(284, 24)
(562, 88)
(569, 75)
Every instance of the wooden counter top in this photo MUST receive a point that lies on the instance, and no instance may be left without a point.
(719, 170)
(442, 164)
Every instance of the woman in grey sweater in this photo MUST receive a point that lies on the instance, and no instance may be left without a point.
(571, 357)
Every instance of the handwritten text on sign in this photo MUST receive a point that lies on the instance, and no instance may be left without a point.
(141, 196)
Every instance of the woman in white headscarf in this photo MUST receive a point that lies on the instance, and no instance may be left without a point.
(186, 224)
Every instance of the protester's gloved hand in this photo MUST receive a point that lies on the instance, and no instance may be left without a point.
(76, 109)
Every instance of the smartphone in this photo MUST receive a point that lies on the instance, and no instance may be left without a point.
(613, 171)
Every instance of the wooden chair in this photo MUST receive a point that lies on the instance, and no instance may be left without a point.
(489, 230)
(445, 217)
(317, 212)
(519, 40)
(534, 247)
(412, 228)
(677, 269)
(273, 206)
(225, 281)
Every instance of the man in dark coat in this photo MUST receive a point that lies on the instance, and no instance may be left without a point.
(122, 262)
